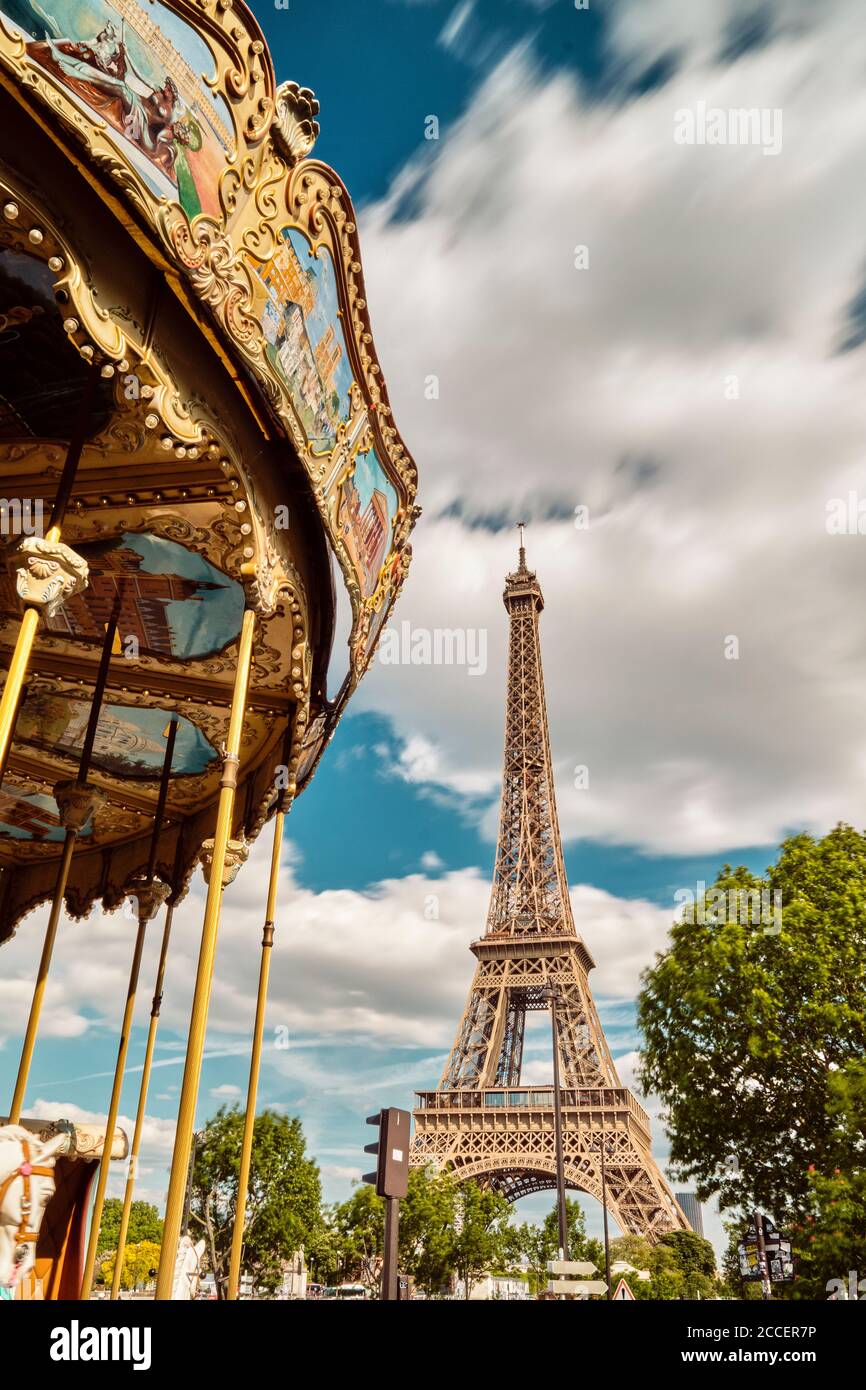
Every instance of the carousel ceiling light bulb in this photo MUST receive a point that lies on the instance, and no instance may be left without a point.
(55, 263)
(167, 442)
(70, 325)
(107, 371)
(151, 421)
(146, 392)
(36, 236)
(87, 351)
(10, 211)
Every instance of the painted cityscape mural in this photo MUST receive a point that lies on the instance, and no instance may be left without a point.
(32, 816)
(130, 741)
(366, 508)
(173, 602)
(297, 306)
(141, 69)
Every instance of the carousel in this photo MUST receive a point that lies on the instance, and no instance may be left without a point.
(205, 513)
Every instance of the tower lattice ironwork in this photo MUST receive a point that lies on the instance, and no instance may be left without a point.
(481, 1122)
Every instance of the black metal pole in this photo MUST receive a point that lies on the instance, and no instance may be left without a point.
(557, 1124)
(766, 1286)
(159, 815)
(604, 1210)
(389, 1264)
(99, 690)
(188, 1202)
(73, 453)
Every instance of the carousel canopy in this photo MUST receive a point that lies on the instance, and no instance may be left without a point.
(181, 293)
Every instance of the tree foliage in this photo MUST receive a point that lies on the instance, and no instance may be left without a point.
(445, 1230)
(138, 1261)
(681, 1265)
(283, 1204)
(538, 1244)
(748, 1030)
(144, 1224)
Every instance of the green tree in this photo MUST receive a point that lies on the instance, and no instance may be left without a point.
(746, 1290)
(144, 1224)
(538, 1244)
(681, 1265)
(696, 1261)
(283, 1204)
(829, 1242)
(427, 1229)
(359, 1227)
(746, 1028)
(483, 1238)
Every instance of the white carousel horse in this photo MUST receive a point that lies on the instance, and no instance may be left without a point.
(26, 1188)
(187, 1268)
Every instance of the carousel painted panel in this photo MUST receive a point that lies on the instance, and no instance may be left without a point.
(306, 292)
(145, 73)
(175, 92)
(297, 307)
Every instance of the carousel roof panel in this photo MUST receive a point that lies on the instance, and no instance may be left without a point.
(184, 130)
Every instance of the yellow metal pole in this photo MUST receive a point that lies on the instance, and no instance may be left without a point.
(142, 1103)
(204, 974)
(15, 677)
(255, 1062)
(42, 979)
(111, 1122)
(146, 908)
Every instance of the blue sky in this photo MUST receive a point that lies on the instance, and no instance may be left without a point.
(689, 391)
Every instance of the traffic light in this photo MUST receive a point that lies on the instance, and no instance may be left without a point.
(391, 1178)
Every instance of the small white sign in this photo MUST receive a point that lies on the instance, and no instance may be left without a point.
(397, 1155)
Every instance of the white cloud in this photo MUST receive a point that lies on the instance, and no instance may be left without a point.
(378, 966)
(606, 387)
(455, 24)
(157, 1142)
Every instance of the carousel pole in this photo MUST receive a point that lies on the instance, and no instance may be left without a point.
(149, 902)
(76, 800)
(142, 1095)
(30, 621)
(204, 974)
(285, 801)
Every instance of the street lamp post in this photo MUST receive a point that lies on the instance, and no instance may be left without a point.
(604, 1211)
(550, 995)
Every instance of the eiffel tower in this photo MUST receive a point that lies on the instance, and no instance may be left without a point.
(480, 1122)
